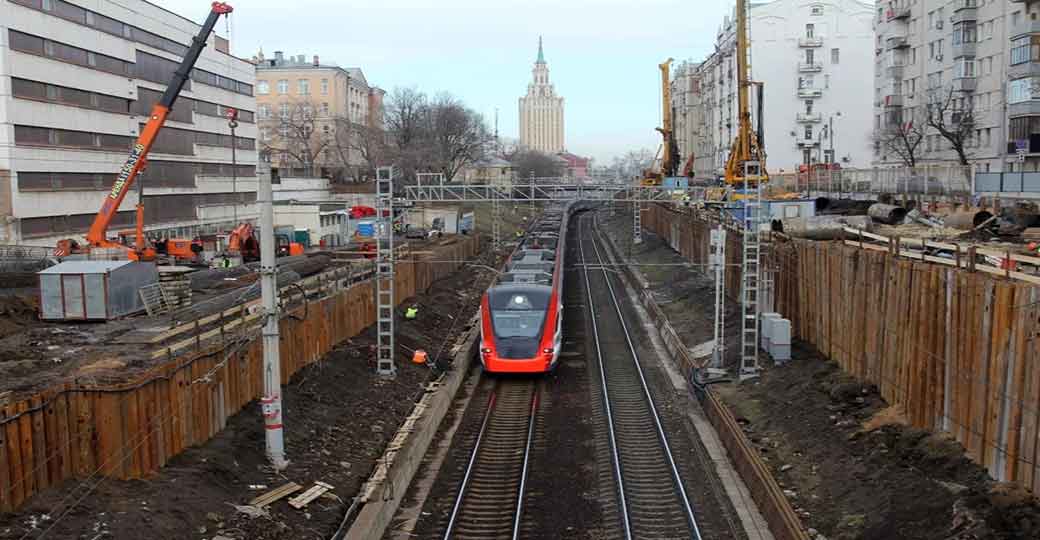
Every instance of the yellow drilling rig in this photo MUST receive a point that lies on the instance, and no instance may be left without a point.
(669, 150)
(746, 166)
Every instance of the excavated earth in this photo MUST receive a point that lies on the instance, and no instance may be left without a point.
(848, 463)
(338, 418)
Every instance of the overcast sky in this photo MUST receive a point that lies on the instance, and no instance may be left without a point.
(602, 54)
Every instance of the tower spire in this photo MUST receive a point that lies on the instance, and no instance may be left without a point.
(541, 56)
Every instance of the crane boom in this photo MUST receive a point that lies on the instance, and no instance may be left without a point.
(135, 163)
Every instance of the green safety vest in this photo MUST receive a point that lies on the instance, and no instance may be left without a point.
(411, 313)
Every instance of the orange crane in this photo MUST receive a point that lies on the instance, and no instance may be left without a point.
(669, 150)
(138, 159)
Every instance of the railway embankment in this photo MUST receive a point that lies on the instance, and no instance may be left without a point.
(862, 439)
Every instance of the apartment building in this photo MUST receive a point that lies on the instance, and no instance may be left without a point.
(314, 117)
(76, 86)
(810, 57)
(959, 56)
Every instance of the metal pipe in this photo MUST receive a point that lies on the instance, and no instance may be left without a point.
(967, 220)
(820, 227)
(271, 403)
(888, 214)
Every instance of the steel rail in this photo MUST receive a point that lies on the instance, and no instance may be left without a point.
(676, 476)
(615, 456)
(469, 468)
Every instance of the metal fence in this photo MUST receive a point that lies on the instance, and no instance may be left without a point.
(931, 180)
(25, 258)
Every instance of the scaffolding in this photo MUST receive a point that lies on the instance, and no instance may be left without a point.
(385, 272)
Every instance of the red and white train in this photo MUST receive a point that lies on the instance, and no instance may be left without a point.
(521, 315)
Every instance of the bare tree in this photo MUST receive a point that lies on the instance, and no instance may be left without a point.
(293, 137)
(459, 136)
(952, 114)
(407, 122)
(359, 148)
(527, 163)
(902, 135)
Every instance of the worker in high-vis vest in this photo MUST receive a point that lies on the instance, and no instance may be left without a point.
(411, 313)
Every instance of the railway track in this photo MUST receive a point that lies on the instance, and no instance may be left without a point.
(651, 499)
(490, 499)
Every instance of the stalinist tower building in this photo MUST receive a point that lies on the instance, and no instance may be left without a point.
(541, 111)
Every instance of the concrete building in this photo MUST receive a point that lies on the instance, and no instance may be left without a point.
(77, 85)
(541, 112)
(930, 51)
(810, 57)
(329, 107)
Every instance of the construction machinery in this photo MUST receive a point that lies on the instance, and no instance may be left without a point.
(138, 159)
(242, 242)
(747, 157)
(669, 151)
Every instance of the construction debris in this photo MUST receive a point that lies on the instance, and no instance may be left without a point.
(275, 494)
(821, 227)
(303, 499)
(887, 213)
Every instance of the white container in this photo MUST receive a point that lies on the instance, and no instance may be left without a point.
(780, 348)
(766, 328)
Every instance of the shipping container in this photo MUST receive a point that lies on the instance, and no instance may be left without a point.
(94, 290)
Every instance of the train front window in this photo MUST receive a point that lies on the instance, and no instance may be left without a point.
(518, 314)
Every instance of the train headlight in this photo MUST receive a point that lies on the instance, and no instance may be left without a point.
(486, 350)
(547, 351)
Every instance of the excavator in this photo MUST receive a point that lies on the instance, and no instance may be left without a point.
(138, 159)
(669, 150)
(746, 166)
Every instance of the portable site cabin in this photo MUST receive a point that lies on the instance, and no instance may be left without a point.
(93, 290)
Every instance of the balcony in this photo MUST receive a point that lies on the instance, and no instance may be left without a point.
(896, 42)
(810, 42)
(803, 143)
(896, 71)
(898, 13)
(1026, 108)
(809, 67)
(808, 118)
(1025, 28)
(961, 50)
(893, 100)
(964, 10)
(965, 84)
(809, 92)
(1023, 70)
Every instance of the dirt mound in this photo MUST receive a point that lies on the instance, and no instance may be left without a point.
(16, 313)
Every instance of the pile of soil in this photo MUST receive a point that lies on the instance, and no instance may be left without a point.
(339, 416)
(848, 463)
(17, 312)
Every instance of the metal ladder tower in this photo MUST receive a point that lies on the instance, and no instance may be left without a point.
(385, 272)
(496, 220)
(749, 290)
(637, 221)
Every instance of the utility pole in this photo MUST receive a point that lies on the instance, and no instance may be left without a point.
(271, 402)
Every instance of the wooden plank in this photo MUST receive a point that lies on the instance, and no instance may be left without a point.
(52, 450)
(317, 490)
(275, 494)
(25, 427)
(1002, 305)
(980, 406)
(5, 465)
(133, 435)
(1016, 386)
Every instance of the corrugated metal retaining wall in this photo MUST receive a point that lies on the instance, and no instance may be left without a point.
(958, 350)
(133, 429)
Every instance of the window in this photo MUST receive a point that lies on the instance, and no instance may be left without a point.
(809, 30)
(913, 56)
(263, 110)
(283, 110)
(303, 87)
(324, 109)
(808, 133)
(283, 86)
(965, 68)
(931, 51)
(808, 106)
(1016, 17)
(809, 56)
(1022, 90)
(834, 55)
(816, 10)
(965, 32)
(262, 88)
(324, 87)
(283, 131)
(1025, 49)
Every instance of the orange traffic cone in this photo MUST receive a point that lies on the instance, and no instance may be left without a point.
(419, 357)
